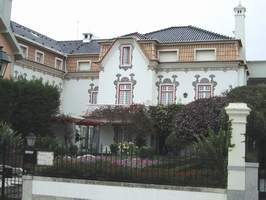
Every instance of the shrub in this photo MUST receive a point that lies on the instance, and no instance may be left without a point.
(8, 136)
(73, 150)
(162, 117)
(255, 97)
(175, 143)
(140, 140)
(28, 105)
(145, 152)
(114, 148)
(49, 143)
(213, 149)
(194, 119)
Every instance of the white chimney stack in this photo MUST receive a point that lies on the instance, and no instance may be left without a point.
(5, 10)
(240, 32)
(87, 37)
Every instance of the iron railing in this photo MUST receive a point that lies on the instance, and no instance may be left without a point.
(11, 170)
(188, 168)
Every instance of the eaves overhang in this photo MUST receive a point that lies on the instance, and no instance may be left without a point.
(6, 31)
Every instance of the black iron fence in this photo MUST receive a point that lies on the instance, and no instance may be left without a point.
(188, 168)
(11, 169)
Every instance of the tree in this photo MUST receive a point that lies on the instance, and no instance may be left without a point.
(255, 97)
(162, 118)
(194, 119)
(28, 105)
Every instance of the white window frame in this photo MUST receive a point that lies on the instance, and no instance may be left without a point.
(62, 61)
(205, 49)
(204, 84)
(83, 61)
(27, 49)
(130, 56)
(169, 50)
(118, 92)
(36, 52)
(160, 92)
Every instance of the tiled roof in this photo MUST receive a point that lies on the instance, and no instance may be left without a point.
(185, 34)
(168, 35)
(138, 35)
(35, 36)
(78, 47)
(68, 47)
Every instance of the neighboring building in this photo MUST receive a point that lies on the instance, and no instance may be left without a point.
(172, 65)
(257, 72)
(7, 39)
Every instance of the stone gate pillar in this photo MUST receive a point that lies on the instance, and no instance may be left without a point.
(240, 184)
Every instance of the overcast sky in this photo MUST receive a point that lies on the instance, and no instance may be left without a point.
(64, 19)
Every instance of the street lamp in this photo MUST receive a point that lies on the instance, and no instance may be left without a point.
(4, 60)
(29, 158)
(31, 139)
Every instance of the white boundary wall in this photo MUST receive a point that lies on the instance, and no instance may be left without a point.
(46, 189)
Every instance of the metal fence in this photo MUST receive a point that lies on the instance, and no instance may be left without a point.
(188, 168)
(11, 169)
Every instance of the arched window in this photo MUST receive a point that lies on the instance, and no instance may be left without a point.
(124, 89)
(167, 94)
(204, 88)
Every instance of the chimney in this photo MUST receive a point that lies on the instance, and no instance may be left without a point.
(5, 10)
(87, 37)
(240, 27)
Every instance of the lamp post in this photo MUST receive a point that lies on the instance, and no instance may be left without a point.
(4, 61)
(30, 153)
(31, 139)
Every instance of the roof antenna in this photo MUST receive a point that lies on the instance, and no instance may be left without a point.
(77, 29)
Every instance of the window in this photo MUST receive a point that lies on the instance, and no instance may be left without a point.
(94, 97)
(167, 94)
(168, 55)
(59, 63)
(125, 55)
(204, 91)
(84, 65)
(24, 50)
(124, 93)
(205, 54)
(39, 56)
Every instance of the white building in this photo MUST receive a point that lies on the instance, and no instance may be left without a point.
(172, 65)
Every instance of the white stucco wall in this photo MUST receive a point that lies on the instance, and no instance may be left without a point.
(224, 79)
(29, 74)
(76, 96)
(143, 90)
(104, 192)
(257, 69)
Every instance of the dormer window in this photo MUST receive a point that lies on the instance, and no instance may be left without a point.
(59, 63)
(205, 54)
(125, 56)
(84, 65)
(168, 55)
(24, 50)
(39, 56)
